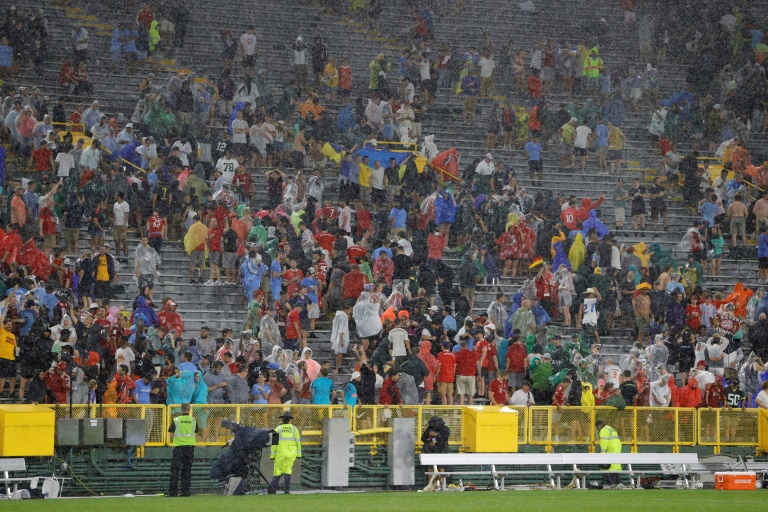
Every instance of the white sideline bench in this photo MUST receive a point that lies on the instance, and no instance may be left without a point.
(557, 464)
(51, 486)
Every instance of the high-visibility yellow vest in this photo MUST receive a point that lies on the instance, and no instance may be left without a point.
(592, 67)
(184, 435)
(288, 442)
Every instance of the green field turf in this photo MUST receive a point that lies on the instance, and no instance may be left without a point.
(554, 501)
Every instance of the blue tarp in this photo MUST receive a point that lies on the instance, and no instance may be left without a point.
(382, 155)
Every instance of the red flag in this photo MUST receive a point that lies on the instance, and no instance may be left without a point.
(448, 162)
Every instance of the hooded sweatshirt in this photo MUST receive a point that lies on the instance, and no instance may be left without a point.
(170, 319)
(690, 395)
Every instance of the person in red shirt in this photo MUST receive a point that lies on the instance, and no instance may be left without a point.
(41, 159)
(352, 283)
(293, 328)
(292, 277)
(534, 85)
(546, 290)
(446, 371)
(243, 183)
(587, 205)
(145, 16)
(362, 218)
(355, 252)
(435, 247)
(48, 228)
(559, 397)
(693, 313)
(214, 253)
(156, 229)
(325, 240)
(327, 211)
(516, 363)
(489, 363)
(467, 366)
(384, 268)
(390, 393)
(568, 216)
(498, 391)
(345, 79)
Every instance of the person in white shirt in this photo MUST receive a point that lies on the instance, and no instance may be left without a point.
(227, 166)
(378, 189)
(762, 397)
(589, 307)
(148, 151)
(125, 354)
(65, 161)
(405, 244)
(487, 65)
(345, 216)
(409, 91)
(523, 396)
(612, 373)
(185, 149)
(398, 341)
(100, 130)
(580, 142)
(121, 209)
(240, 129)
(483, 173)
(126, 136)
(248, 48)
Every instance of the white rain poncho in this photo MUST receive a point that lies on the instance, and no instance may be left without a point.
(340, 332)
(269, 334)
(658, 355)
(429, 149)
(366, 315)
(660, 392)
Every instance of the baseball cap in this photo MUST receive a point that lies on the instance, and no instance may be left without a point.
(489, 156)
(355, 375)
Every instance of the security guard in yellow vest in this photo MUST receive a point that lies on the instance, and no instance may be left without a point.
(609, 443)
(286, 448)
(592, 66)
(183, 429)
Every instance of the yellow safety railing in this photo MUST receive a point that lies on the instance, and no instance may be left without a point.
(636, 426)
(155, 416)
(308, 418)
(728, 427)
(371, 424)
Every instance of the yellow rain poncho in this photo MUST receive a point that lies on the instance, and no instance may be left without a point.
(578, 253)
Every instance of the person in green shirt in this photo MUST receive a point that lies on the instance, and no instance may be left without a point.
(183, 430)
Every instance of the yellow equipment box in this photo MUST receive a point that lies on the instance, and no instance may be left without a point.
(26, 430)
(489, 429)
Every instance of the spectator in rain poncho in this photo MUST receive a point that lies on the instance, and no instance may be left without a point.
(597, 224)
(149, 314)
(691, 241)
(79, 387)
(577, 254)
(252, 272)
(560, 259)
(269, 333)
(180, 388)
(367, 317)
(658, 354)
(313, 367)
(158, 121)
(497, 313)
(345, 120)
(429, 149)
(661, 394)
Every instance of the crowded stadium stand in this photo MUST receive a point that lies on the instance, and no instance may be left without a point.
(332, 205)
